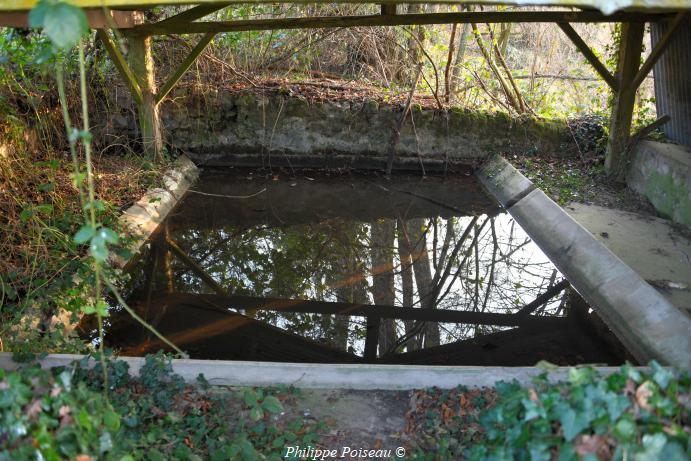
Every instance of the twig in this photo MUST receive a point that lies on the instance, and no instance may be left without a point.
(228, 196)
(397, 130)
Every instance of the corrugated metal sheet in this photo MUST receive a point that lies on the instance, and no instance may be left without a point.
(673, 82)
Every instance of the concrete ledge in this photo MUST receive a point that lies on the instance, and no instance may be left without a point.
(662, 173)
(327, 376)
(648, 325)
(142, 218)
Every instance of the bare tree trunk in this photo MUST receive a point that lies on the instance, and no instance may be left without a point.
(504, 35)
(406, 282)
(449, 60)
(423, 275)
(460, 55)
(382, 240)
(350, 284)
(412, 45)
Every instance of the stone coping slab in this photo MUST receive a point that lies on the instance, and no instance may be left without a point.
(144, 217)
(327, 376)
(648, 325)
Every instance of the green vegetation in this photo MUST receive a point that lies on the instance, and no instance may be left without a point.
(564, 180)
(629, 415)
(68, 414)
(59, 201)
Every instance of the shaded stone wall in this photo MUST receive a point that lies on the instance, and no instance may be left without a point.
(213, 125)
(662, 172)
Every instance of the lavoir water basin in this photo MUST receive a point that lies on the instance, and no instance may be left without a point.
(320, 267)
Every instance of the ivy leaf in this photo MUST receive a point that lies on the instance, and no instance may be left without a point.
(256, 414)
(98, 248)
(272, 404)
(653, 444)
(112, 420)
(250, 398)
(572, 423)
(108, 235)
(25, 215)
(616, 405)
(45, 209)
(626, 429)
(64, 24)
(38, 14)
(662, 376)
(84, 234)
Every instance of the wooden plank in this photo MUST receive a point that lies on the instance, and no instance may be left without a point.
(606, 7)
(121, 65)
(97, 18)
(324, 22)
(660, 48)
(364, 310)
(589, 55)
(184, 66)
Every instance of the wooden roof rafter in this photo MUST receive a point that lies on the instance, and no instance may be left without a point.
(605, 6)
(170, 27)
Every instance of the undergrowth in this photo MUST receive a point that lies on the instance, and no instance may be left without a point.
(62, 414)
(45, 275)
(629, 415)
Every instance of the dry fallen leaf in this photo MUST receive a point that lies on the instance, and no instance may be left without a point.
(83, 458)
(643, 393)
(34, 409)
(533, 395)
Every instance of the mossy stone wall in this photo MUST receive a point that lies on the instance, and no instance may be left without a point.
(219, 122)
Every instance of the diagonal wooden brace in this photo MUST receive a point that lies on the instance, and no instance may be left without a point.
(121, 65)
(193, 14)
(186, 64)
(589, 55)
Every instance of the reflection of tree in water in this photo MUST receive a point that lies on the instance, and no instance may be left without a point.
(480, 264)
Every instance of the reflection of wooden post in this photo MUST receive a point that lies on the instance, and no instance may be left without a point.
(167, 260)
(142, 65)
(629, 61)
(372, 337)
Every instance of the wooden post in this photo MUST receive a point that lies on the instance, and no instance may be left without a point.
(630, 48)
(142, 65)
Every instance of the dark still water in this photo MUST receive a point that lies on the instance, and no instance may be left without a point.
(353, 268)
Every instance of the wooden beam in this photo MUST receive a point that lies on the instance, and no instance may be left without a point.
(196, 268)
(394, 20)
(98, 18)
(184, 66)
(606, 6)
(193, 13)
(589, 55)
(660, 47)
(388, 9)
(223, 302)
(543, 298)
(121, 65)
(630, 48)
